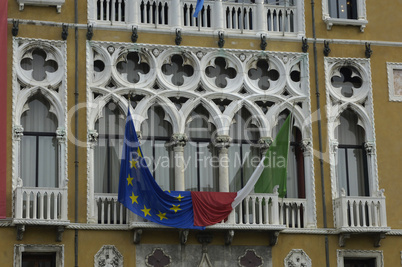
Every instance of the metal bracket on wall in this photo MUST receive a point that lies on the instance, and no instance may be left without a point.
(304, 45)
(137, 236)
(134, 34)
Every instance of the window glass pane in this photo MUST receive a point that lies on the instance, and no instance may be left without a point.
(47, 163)
(28, 160)
(147, 153)
(235, 161)
(190, 172)
(292, 186)
(163, 165)
(107, 153)
(208, 164)
(342, 178)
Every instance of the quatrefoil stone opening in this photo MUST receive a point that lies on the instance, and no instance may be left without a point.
(131, 68)
(221, 72)
(263, 74)
(39, 64)
(348, 80)
(178, 70)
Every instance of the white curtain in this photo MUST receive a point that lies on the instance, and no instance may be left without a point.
(39, 159)
(243, 152)
(157, 149)
(107, 153)
(350, 167)
(202, 164)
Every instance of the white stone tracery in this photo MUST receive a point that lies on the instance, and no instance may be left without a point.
(199, 89)
(361, 102)
(53, 88)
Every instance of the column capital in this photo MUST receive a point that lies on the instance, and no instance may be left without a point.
(18, 132)
(333, 146)
(223, 141)
(370, 147)
(306, 146)
(179, 140)
(61, 135)
(92, 137)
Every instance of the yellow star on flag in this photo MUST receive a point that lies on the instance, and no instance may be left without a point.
(133, 198)
(179, 197)
(162, 215)
(139, 152)
(129, 180)
(175, 208)
(133, 163)
(146, 211)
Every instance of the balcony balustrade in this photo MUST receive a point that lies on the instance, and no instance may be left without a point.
(229, 16)
(35, 205)
(361, 213)
(257, 211)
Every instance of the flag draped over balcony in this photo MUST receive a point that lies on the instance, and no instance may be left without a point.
(3, 106)
(275, 162)
(198, 7)
(139, 192)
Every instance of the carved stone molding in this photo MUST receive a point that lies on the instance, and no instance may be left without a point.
(297, 258)
(349, 253)
(108, 256)
(58, 250)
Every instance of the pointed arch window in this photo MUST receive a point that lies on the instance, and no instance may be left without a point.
(244, 153)
(352, 160)
(157, 148)
(107, 153)
(201, 170)
(39, 148)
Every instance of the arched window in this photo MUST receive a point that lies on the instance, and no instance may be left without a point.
(244, 153)
(200, 155)
(156, 147)
(107, 153)
(295, 169)
(39, 148)
(352, 161)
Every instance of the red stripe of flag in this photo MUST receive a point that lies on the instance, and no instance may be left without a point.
(3, 106)
(211, 207)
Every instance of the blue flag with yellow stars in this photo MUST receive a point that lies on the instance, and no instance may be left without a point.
(139, 192)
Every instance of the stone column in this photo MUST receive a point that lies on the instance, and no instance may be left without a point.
(262, 26)
(218, 16)
(179, 141)
(92, 216)
(310, 216)
(373, 182)
(223, 143)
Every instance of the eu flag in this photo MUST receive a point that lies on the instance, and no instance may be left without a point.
(139, 192)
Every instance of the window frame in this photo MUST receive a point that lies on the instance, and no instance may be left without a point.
(361, 20)
(391, 67)
(20, 249)
(363, 254)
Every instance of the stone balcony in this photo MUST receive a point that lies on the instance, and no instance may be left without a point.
(252, 18)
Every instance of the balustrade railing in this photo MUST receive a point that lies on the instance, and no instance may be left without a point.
(360, 212)
(255, 210)
(292, 212)
(109, 211)
(111, 10)
(41, 204)
(233, 16)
